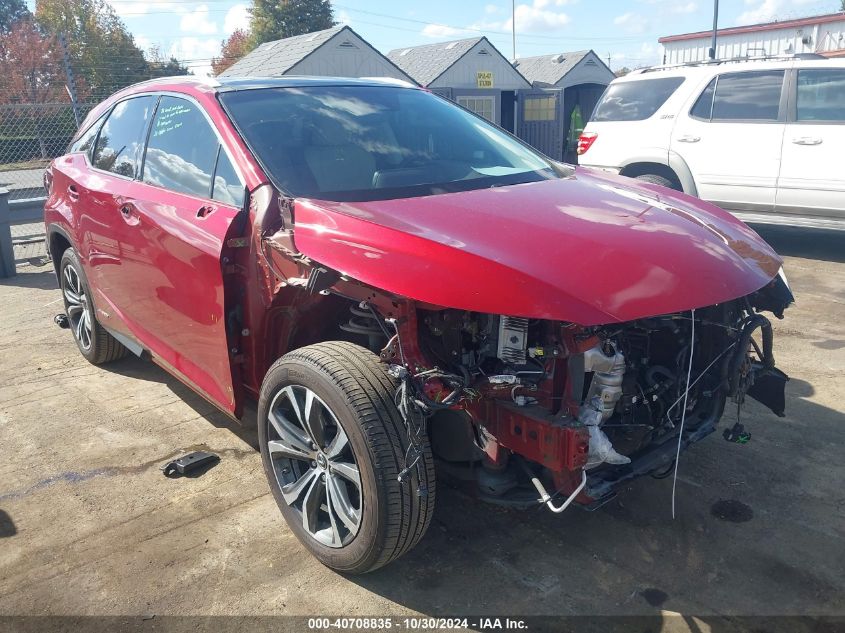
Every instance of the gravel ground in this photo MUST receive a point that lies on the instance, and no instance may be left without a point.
(89, 526)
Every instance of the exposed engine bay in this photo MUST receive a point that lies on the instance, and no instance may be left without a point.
(515, 398)
(517, 407)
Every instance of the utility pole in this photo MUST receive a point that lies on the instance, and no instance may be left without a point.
(715, 29)
(71, 84)
(513, 25)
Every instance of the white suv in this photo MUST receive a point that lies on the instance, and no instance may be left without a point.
(763, 139)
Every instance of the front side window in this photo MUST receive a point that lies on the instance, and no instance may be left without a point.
(181, 150)
(375, 143)
(635, 100)
(121, 138)
(749, 96)
(184, 154)
(482, 106)
(821, 95)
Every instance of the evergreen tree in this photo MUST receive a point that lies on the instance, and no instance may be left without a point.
(277, 19)
(10, 12)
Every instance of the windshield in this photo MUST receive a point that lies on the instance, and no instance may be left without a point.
(354, 143)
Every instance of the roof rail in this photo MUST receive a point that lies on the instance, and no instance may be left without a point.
(731, 60)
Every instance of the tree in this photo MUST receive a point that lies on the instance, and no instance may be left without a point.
(233, 48)
(623, 71)
(842, 6)
(276, 19)
(33, 79)
(10, 12)
(102, 50)
(161, 66)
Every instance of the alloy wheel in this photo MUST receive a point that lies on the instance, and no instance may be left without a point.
(77, 307)
(315, 466)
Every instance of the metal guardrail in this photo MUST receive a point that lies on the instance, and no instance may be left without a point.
(13, 212)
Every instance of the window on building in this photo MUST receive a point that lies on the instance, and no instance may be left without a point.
(821, 95)
(540, 108)
(482, 106)
(122, 136)
(749, 96)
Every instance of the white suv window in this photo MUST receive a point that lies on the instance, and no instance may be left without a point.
(821, 95)
(635, 100)
(749, 96)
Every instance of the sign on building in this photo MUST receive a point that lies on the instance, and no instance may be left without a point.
(484, 79)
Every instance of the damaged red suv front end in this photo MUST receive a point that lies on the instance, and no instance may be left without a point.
(406, 289)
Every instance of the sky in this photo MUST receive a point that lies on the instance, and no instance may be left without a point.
(625, 32)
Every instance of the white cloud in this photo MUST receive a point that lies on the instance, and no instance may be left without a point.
(343, 17)
(197, 21)
(538, 17)
(199, 50)
(236, 18)
(441, 30)
(631, 22)
(128, 10)
(673, 6)
(767, 10)
(688, 7)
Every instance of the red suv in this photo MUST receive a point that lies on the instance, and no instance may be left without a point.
(405, 288)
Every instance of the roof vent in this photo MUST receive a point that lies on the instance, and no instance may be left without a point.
(590, 62)
(450, 45)
(558, 59)
(405, 52)
(313, 37)
(346, 44)
(483, 51)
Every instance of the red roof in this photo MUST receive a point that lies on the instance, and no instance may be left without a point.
(752, 28)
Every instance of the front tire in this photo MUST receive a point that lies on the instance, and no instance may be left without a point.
(659, 180)
(92, 339)
(332, 444)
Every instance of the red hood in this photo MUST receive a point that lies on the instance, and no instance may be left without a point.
(590, 249)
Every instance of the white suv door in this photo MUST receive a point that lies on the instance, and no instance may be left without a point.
(731, 139)
(812, 173)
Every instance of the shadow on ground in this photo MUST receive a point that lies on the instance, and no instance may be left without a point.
(806, 243)
(44, 279)
(134, 367)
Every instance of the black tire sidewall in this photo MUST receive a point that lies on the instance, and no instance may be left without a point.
(366, 545)
(656, 179)
(70, 258)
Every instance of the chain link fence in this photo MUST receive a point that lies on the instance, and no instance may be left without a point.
(31, 135)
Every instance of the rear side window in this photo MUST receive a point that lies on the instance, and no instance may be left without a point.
(821, 95)
(635, 100)
(751, 96)
(86, 141)
(182, 153)
(122, 136)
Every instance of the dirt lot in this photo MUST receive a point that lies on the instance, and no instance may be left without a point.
(88, 524)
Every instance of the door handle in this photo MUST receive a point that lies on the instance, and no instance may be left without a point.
(206, 210)
(807, 140)
(688, 138)
(73, 193)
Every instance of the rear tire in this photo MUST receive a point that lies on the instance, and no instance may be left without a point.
(92, 339)
(659, 180)
(347, 527)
